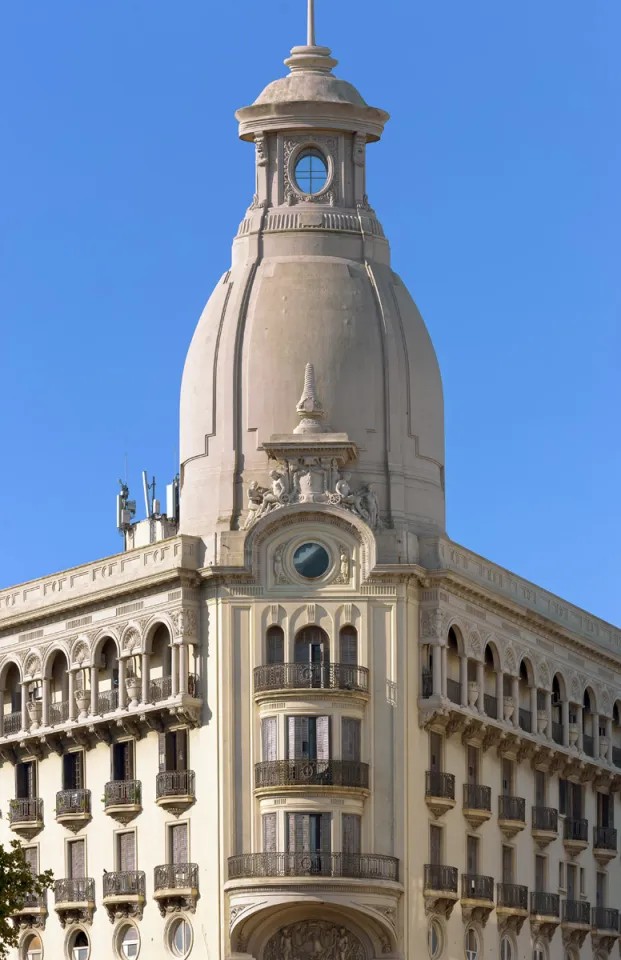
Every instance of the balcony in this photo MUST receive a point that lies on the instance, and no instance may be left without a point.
(604, 844)
(107, 702)
(175, 887)
(453, 690)
(557, 732)
(74, 900)
(490, 706)
(477, 806)
(123, 799)
(73, 808)
(439, 791)
(512, 905)
(525, 720)
(440, 888)
(605, 920)
(124, 894)
(576, 921)
(545, 913)
(544, 826)
(311, 676)
(575, 835)
(477, 897)
(351, 865)
(26, 816)
(59, 713)
(511, 814)
(302, 774)
(12, 723)
(175, 790)
(32, 913)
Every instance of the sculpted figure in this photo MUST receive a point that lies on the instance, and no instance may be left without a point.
(286, 946)
(279, 570)
(345, 566)
(342, 944)
(279, 484)
(255, 503)
(371, 504)
(342, 485)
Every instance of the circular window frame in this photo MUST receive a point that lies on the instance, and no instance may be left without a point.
(24, 941)
(168, 930)
(68, 942)
(331, 570)
(294, 156)
(117, 942)
(435, 923)
(313, 543)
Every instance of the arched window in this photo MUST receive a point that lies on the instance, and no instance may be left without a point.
(275, 644)
(32, 948)
(80, 947)
(129, 942)
(349, 646)
(539, 951)
(312, 646)
(435, 939)
(180, 938)
(472, 944)
(506, 948)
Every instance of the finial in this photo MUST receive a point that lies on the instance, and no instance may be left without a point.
(309, 409)
(310, 33)
(310, 58)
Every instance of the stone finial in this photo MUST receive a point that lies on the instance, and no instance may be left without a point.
(309, 410)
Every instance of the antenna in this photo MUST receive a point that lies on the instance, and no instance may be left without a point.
(310, 31)
(125, 508)
(172, 500)
(146, 488)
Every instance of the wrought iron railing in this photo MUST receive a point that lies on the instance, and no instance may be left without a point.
(426, 684)
(77, 890)
(545, 818)
(512, 895)
(545, 904)
(476, 887)
(576, 830)
(25, 810)
(577, 911)
(73, 801)
(557, 732)
(107, 701)
(439, 784)
(605, 918)
(34, 901)
(161, 689)
(193, 689)
(175, 783)
(362, 865)
(323, 773)
(440, 877)
(302, 676)
(477, 797)
(59, 712)
(131, 883)
(588, 745)
(525, 718)
(605, 838)
(490, 705)
(511, 808)
(176, 876)
(453, 690)
(119, 792)
(12, 723)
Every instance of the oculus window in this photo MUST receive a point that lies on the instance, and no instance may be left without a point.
(180, 938)
(311, 171)
(311, 560)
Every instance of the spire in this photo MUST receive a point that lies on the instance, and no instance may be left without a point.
(309, 410)
(311, 58)
(310, 33)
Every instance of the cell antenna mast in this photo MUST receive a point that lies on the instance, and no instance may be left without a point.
(148, 487)
(310, 33)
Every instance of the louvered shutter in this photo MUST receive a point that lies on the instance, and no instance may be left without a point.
(349, 646)
(181, 750)
(275, 645)
(351, 833)
(127, 852)
(269, 833)
(435, 844)
(323, 738)
(325, 832)
(161, 751)
(351, 739)
(30, 856)
(301, 651)
(294, 831)
(77, 859)
(129, 760)
(269, 738)
(298, 738)
(78, 770)
(179, 843)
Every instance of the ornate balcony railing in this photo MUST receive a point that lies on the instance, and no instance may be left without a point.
(476, 887)
(576, 830)
(176, 876)
(453, 690)
(439, 784)
(175, 783)
(477, 797)
(303, 676)
(107, 701)
(161, 689)
(321, 773)
(605, 918)
(426, 684)
(545, 904)
(73, 801)
(577, 911)
(525, 718)
(605, 838)
(490, 705)
(557, 732)
(119, 792)
(59, 712)
(511, 808)
(512, 895)
(361, 865)
(440, 877)
(79, 890)
(25, 810)
(12, 723)
(545, 818)
(131, 884)
(34, 901)
(588, 745)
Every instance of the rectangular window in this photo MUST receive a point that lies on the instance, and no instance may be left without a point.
(600, 890)
(77, 859)
(275, 645)
(604, 810)
(309, 833)
(178, 843)
(540, 788)
(582, 881)
(507, 777)
(435, 752)
(571, 881)
(349, 646)
(26, 780)
(126, 852)
(473, 764)
(309, 738)
(123, 760)
(472, 854)
(350, 748)
(270, 826)
(269, 739)
(507, 864)
(31, 856)
(561, 875)
(172, 751)
(351, 826)
(540, 874)
(575, 801)
(563, 797)
(73, 770)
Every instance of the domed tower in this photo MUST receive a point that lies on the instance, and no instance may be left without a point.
(311, 283)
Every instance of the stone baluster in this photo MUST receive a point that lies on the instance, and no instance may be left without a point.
(500, 689)
(579, 721)
(549, 714)
(481, 685)
(595, 722)
(436, 664)
(25, 684)
(174, 669)
(444, 650)
(533, 709)
(183, 667)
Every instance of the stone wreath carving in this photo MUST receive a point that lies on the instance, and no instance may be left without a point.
(314, 940)
(311, 480)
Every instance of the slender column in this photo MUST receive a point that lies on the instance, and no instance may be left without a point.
(1, 713)
(515, 693)
(463, 680)
(500, 694)
(579, 721)
(565, 716)
(436, 661)
(94, 690)
(608, 734)
(549, 714)
(146, 675)
(183, 668)
(533, 709)
(71, 695)
(122, 684)
(174, 669)
(444, 650)
(25, 685)
(45, 707)
(481, 683)
(595, 722)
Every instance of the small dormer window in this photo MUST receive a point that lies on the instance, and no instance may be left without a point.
(311, 171)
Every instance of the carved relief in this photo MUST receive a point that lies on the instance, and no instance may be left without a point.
(32, 665)
(476, 647)
(344, 571)
(606, 702)
(261, 146)
(360, 142)
(184, 622)
(575, 690)
(330, 193)
(544, 675)
(431, 624)
(510, 661)
(131, 641)
(314, 940)
(80, 653)
(279, 566)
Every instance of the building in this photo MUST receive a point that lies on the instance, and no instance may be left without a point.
(302, 723)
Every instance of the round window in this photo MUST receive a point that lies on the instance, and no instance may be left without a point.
(80, 947)
(311, 171)
(472, 944)
(311, 560)
(129, 943)
(33, 949)
(434, 939)
(180, 938)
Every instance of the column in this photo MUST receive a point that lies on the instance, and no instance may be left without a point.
(183, 667)
(94, 690)
(25, 684)
(579, 721)
(1, 713)
(122, 684)
(549, 714)
(533, 709)
(174, 669)
(565, 716)
(481, 683)
(71, 695)
(146, 674)
(595, 722)
(515, 693)
(608, 734)
(500, 686)
(444, 650)
(436, 662)
(463, 680)
(45, 706)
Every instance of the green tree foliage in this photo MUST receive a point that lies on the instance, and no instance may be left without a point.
(16, 883)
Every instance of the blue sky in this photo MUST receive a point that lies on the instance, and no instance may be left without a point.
(122, 183)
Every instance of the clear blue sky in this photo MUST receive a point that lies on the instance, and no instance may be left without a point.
(122, 184)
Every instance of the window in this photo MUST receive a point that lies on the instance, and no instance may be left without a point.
(605, 810)
(77, 859)
(435, 752)
(180, 938)
(473, 765)
(582, 881)
(561, 876)
(80, 947)
(312, 647)
(31, 856)
(123, 760)
(26, 780)
(472, 855)
(309, 833)
(173, 752)
(129, 942)
(275, 641)
(539, 951)
(32, 948)
(178, 843)
(571, 881)
(540, 874)
(73, 770)
(311, 560)
(351, 826)
(309, 738)
(269, 738)
(472, 944)
(507, 865)
(540, 788)
(506, 948)
(311, 171)
(435, 844)
(350, 732)
(270, 826)
(126, 852)
(600, 890)
(507, 777)
(435, 939)
(563, 797)
(349, 646)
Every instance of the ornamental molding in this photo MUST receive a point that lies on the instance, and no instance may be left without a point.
(184, 622)
(328, 145)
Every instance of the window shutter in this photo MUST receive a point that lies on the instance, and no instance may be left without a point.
(181, 748)
(507, 865)
(323, 738)
(78, 770)
(77, 859)
(30, 856)
(275, 645)
(129, 760)
(127, 852)
(31, 780)
(349, 646)
(562, 796)
(179, 842)
(325, 832)
(298, 738)
(269, 738)
(161, 751)
(20, 781)
(269, 832)
(351, 739)
(435, 844)
(351, 833)
(298, 832)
